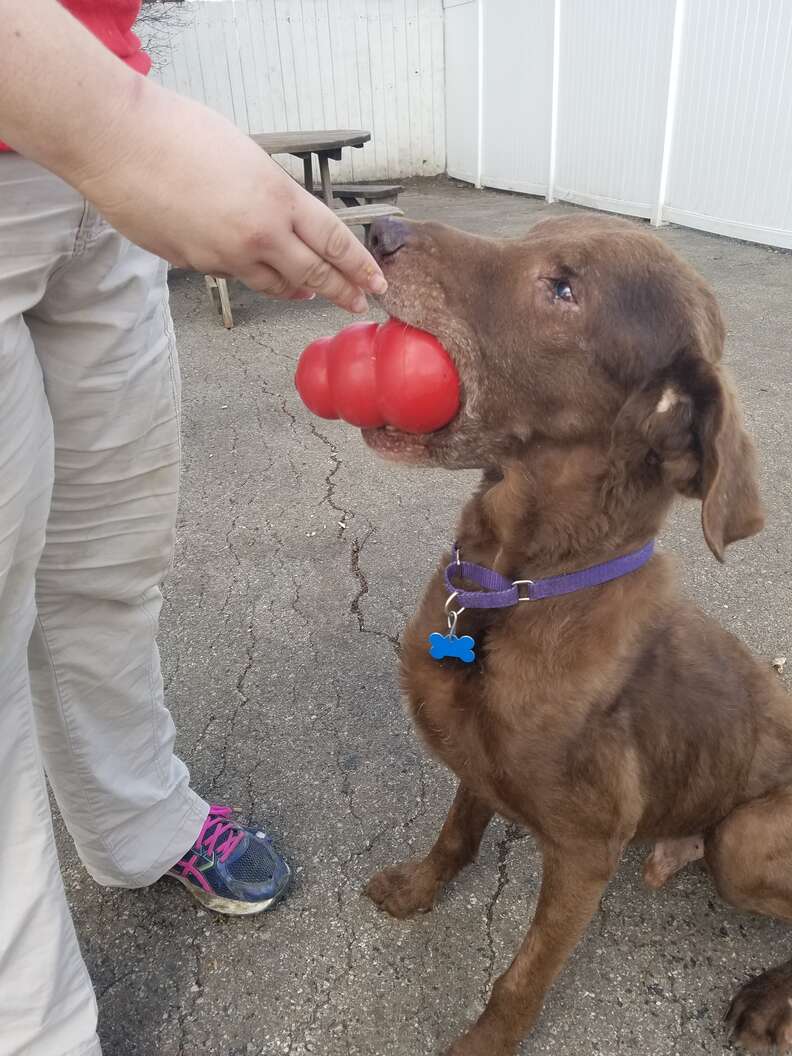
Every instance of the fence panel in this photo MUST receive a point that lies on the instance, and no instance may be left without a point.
(517, 94)
(731, 165)
(298, 65)
(613, 87)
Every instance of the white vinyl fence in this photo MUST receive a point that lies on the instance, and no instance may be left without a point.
(300, 65)
(675, 110)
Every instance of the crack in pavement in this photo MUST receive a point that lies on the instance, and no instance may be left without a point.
(330, 483)
(272, 351)
(101, 994)
(195, 989)
(356, 551)
(307, 622)
(250, 649)
(420, 809)
(171, 678)
(277, 397)
(510, 836)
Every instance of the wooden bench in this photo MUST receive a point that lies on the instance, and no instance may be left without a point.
(353, 194)
(365, 215)
(218, 294)
(353, 216)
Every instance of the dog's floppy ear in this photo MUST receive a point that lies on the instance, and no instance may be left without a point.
(731, 508)
(726, 481)
(687, 415)
(695, 431)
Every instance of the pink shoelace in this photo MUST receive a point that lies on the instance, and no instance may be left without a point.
(218, 836)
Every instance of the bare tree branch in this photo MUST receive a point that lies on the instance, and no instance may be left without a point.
(156, 24)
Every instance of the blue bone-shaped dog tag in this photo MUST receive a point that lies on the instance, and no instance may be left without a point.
(443, 645)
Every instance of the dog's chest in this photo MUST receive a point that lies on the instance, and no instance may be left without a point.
(451, 706)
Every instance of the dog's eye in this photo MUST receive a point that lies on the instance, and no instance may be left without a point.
(562, 291)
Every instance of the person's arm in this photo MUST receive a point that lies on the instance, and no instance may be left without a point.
(170, 174)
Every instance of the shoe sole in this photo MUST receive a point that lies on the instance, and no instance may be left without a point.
(230, 907)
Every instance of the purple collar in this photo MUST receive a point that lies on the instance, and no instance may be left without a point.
(498, 592)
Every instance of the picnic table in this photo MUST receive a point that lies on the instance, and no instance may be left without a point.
(364, 203)
(303, 145)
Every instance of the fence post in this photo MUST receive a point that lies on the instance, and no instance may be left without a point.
(671, 106)
(479, 90)
(554, 100)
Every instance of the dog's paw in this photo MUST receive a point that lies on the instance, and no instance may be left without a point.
(669, 856)
(402, 890)
(478, 1042)
(760, 1016)
(462, 1047)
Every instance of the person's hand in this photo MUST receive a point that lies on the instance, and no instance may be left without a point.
(172, 175)
(193, 189)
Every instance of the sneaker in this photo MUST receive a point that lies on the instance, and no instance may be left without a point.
(232, 869)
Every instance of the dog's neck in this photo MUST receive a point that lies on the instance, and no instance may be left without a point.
(560, 510)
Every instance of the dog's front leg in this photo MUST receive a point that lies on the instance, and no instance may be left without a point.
(412, 887)
(573, 880)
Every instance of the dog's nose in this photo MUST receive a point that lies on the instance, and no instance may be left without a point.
(388, 235)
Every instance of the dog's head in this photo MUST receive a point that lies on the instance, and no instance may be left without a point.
(587, 332)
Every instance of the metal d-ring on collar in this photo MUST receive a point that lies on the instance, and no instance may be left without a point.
(452, 615)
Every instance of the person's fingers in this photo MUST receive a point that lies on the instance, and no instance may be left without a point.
(304, 269)
(320, 229)
(264, 279)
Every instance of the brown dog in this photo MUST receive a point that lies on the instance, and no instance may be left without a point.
(589, 356)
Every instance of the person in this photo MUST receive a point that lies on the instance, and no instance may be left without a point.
(105, 176)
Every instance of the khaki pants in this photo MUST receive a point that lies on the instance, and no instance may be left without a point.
(89, 464)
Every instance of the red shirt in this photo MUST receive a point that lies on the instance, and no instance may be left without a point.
(111, 22)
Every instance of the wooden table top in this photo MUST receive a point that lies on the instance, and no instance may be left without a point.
(300, 143)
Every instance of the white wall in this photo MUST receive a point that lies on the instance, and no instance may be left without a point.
(700, 134)
(462, 91)
(293, 65)
(613, 83)
(517, 94)
(731, 168)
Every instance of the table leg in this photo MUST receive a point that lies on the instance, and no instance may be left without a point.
(225, 303)
(308, 172)
(327, 187)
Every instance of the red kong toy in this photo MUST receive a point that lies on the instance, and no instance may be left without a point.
(372, 375)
